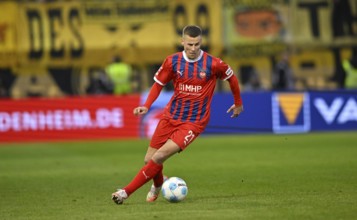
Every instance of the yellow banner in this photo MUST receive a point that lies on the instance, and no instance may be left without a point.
(125, 11)
(255, 28)
(50, 49)
(89, 33)
(77, 33)
(7, 34)
(266, 27)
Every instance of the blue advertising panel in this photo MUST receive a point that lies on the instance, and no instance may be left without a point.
(277, 112)
(256, 116)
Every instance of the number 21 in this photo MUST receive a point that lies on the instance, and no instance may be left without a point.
(189, 137)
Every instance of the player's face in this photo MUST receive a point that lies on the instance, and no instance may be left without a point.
(191, 46)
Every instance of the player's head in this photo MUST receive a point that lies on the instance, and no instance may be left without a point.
(191, 41)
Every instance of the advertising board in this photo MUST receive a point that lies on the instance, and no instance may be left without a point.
(74, 118)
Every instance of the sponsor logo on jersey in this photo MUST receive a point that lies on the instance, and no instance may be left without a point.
(190, 88)
(290, 112)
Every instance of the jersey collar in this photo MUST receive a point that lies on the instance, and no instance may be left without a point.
(192, 61)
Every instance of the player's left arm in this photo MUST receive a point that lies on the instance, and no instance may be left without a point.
(226, 73)
(237, 107)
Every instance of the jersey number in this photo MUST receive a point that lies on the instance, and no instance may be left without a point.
(189, 137)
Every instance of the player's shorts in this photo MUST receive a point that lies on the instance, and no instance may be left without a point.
(182, 134)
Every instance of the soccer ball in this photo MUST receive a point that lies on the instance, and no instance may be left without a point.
(174, 189)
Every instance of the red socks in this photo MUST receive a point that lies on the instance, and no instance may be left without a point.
(149, 171)
(158, 179)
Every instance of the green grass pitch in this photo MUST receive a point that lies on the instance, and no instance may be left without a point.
(302, 176)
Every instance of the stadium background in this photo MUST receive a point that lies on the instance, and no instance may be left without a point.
(49, 48)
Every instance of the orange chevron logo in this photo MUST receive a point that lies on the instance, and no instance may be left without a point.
(291, 105)
(291, 112)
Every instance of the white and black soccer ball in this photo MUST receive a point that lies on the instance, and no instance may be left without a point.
(174, 189)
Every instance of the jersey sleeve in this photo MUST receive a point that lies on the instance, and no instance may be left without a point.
(153, 94)
(164, 74)
(234, 84)
(224, 71)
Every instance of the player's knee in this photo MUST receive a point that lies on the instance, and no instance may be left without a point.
(159, 157)
(147, 159)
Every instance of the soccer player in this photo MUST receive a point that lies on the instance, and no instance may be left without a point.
(194, 73)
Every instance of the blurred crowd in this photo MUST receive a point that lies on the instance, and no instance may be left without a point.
(121, 78)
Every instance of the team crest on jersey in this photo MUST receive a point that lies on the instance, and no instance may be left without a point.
(203, 73)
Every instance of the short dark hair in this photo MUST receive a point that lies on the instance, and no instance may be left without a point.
(192, 31)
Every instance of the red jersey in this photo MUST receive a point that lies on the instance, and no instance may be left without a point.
(194, 83)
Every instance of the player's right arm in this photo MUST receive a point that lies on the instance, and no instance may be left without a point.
(153, 94)
(162, 76)
(237, 107)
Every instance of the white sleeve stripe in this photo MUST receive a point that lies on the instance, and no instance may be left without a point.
(228, 70)
(230, 75)
(156, 80)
